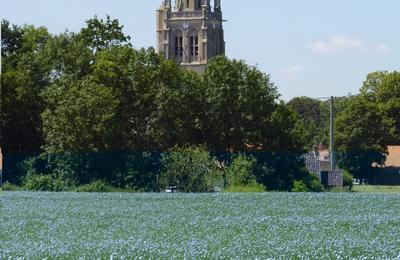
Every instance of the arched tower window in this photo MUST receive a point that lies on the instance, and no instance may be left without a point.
(178, 46)
(194, 46)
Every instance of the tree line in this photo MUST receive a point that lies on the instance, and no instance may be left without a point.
(366, 123)
(78, 108)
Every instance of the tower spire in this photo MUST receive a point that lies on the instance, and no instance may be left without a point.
(206, 3)
(190, 5)
(179, 5)
(217, 4)
(190, 32)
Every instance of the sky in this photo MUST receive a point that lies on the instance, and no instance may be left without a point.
(314, 48)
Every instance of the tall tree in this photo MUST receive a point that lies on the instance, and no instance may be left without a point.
(25, 73)
(313, 118)
(240, 101)
(179, 116)
(361, 137)
(383, 88)
(79, 117)
(101, 34)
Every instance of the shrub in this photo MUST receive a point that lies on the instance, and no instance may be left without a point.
(254, 187)
(39, 183)
(44, 183)
(7, 186)
(299, 186)
(240, 171)
(315, 186)
(95, 186)
(239, 175)
(191, 169)
(348, 180)
(312, 182)
(278, 170)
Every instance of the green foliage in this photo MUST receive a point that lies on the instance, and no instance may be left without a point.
(240, 175)
(240, 100)
(79, 116)
(25, 73)
(299, 186)
(249, 188)
(7, 186)
(100, 34)
(191, 169)
(306, 108)
(11, 39)
(240, 171)
(43, 183)
(361, 137)
(312, 183)
(313, 118)
(278, 170)
(306, 182)
(285, 135)
(348, 180)
(371, 85)
(85, 100)
(68, 57)
(383, 88)
(95, 186)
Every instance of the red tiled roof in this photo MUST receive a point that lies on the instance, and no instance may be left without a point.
(393, 159)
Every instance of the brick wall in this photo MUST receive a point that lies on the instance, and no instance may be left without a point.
(335, 178)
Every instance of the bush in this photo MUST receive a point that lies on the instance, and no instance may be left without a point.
(299, 186)
(7, 186)
(191, 169)
(312, 182)
(239, 175)
(315, 186)
(278, 170)
(39, 183)
(240, 171)
(96, 186)
(254, 187)
(348, 180)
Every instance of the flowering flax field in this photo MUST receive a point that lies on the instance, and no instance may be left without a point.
(189, 226)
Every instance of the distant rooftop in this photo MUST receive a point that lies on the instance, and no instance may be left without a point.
(393, 159)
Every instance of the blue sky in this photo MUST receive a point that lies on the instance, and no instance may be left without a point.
(310, 47)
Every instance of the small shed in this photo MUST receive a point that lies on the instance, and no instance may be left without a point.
(319, 163)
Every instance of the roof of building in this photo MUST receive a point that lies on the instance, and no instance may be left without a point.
(324, 155)
(393, 159)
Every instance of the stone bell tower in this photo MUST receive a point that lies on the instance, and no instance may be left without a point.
(190, 32)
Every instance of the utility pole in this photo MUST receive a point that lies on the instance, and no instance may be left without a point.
(332, 135)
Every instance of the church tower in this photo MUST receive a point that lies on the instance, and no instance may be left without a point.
(190, 32)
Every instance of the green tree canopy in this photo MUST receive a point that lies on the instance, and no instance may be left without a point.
(383, 88)
(101, 34)
(240, 101)
(77, 97)
(361, 137)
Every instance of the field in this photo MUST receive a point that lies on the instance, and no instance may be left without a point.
(269, 225)
(373, 188)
